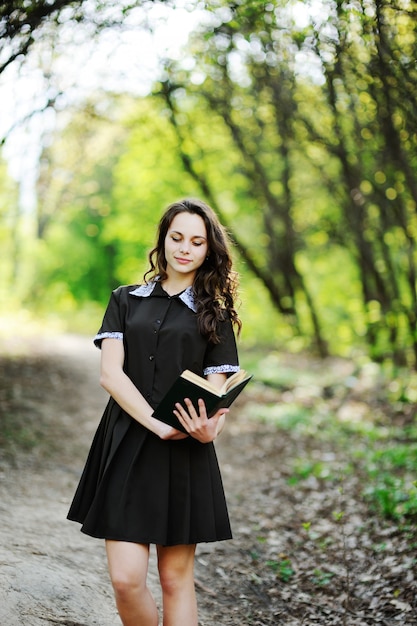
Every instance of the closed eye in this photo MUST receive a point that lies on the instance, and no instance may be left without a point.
(196, 243)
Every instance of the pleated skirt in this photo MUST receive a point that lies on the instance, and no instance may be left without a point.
(136, 487)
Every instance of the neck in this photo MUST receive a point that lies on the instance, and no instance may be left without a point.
(175, 285)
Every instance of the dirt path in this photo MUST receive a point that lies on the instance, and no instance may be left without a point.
(292, 562)
(50, 572)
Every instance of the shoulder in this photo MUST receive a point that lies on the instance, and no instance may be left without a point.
(138, 290)
(141, 291)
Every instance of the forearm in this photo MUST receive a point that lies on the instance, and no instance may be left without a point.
(128, 397)
(116, 382)
(218, 380)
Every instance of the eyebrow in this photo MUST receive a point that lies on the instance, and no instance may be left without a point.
(178, 232)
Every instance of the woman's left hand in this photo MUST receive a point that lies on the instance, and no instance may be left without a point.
(197, 424)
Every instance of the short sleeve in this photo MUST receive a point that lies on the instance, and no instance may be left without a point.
(112, 326)
(222, 357)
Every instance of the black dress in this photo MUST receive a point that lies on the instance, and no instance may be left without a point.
(135, 486)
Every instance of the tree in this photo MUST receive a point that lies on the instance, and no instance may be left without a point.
(302, 135)
(20, 23)
(23, 23)
(74, 201)
(102, 186)
(32, 33)
(367, 51)
(257, 106)
(349, 115)
(9, 224)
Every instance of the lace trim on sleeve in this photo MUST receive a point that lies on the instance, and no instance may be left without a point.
(221, 369)
(108, 335)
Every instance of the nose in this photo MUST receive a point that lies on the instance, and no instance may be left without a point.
(184, 247)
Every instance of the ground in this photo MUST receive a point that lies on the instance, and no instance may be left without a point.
(304, 552)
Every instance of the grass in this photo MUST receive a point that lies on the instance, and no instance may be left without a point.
(356, 409)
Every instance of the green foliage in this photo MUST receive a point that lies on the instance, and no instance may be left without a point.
(338, 293)
(147, 178)
(391, 471)
(321, 578)
(367, 446)
(328, 188)
(393, 497)
(303, 469)
(301, 135)
(9, 223)
(23, 24)
(282, 567)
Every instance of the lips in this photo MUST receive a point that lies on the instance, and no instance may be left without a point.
(183, 261)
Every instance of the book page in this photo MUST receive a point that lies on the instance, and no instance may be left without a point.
(233, 380)
(201, 382)
(205, 384)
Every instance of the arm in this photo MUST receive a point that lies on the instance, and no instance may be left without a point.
(114, 380)
(218, 380)
(198, 425)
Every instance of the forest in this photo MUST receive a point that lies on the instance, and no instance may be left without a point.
(297, 122)
(301, 132)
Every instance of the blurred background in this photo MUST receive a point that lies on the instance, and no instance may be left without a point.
(295, 120)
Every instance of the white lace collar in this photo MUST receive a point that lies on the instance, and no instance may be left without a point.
(187, 296)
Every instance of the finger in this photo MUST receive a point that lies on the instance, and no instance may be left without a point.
(219, 414)
(186, 420)
(180, 412)
(196, 413)
(191, 408)
(202, 408)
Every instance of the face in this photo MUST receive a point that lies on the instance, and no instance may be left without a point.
(186, 245)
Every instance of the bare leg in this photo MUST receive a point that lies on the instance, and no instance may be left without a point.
(176, 573)
(128, 567)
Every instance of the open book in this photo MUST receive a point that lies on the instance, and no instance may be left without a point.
(192, 386)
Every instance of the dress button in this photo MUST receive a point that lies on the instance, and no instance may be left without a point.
(151, 358)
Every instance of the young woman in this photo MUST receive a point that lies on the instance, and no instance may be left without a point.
(145, 482)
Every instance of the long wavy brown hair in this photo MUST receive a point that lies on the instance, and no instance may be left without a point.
(216, 283)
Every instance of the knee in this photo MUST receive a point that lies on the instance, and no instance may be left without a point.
(170, 582)
(125, 586)
(176, 568)
(174, 579)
